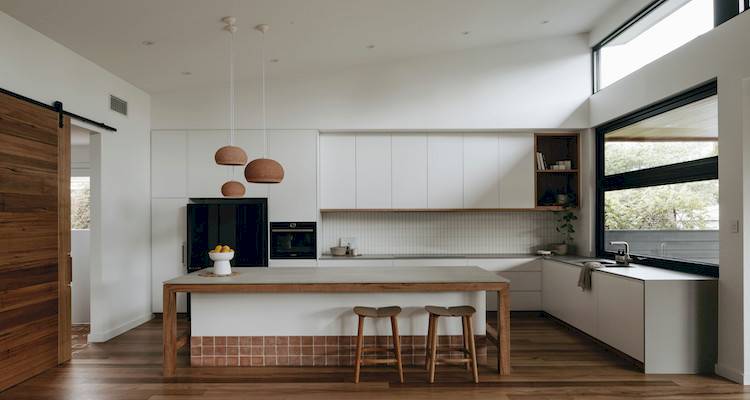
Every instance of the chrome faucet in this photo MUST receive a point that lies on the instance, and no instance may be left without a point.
(623, 255)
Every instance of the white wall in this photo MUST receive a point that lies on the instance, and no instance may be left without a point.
(723, 53)
(538, 84)
(81, 285)
(40, 68)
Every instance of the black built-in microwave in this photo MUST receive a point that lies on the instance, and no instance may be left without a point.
(293, 240)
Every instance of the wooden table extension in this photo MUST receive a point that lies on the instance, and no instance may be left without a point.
(339, 280)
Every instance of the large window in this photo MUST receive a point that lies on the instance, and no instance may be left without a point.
(657, 183)
(657, 30)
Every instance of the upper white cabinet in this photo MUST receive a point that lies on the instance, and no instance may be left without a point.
(428, 170)
(480, 169)
(205, 177)
(338, 171)
(373, 171)
(445, 164)
(409, 170)
(168, 164)
(294, 199)
(253, 143)
(516, 170)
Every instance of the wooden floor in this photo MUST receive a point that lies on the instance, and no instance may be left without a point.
(549, 362)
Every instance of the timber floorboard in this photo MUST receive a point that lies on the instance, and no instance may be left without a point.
(549, 361)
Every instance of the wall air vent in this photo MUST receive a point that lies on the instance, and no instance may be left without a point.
(118, 105)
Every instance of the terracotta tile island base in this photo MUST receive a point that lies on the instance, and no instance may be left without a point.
(302, 316)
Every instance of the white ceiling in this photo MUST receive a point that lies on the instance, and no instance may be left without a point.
(306, 35)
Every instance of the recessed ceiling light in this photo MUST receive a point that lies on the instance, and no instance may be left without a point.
(148, 43)
(370, 46)
(274, 60)
(545, 22)
(186, 73)
(466, 33)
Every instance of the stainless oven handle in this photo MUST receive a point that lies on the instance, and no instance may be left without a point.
(292, 230)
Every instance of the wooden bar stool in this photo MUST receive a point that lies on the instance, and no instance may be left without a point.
(384, 312)
(468, 348)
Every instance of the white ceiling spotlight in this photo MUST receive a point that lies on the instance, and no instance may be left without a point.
(371, 46)
(231, 155)
(264, 170)
(148, 43)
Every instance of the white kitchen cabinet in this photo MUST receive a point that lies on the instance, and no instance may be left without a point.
(168, 235)
(619, 299)
(525, 275)
(563, 299)
(409, 170)
(252, 141)
(373, 170)
(516, 170)
(349, 262)
(168, 164)
(295, 198)
(204, 176)
(432, 262)
(481, 173)
(445, 178)
(338, 171)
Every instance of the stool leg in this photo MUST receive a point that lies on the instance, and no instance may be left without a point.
(360, 340)
(465, 341)
(433, 348)
(397, 347)
(427, 353)
(472, 348)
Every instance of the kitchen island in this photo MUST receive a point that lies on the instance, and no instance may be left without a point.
(343, 286)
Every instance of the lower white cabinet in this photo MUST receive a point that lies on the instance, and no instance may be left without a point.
(668, 324)
(562, 298)
(619, 313)
(168, 234)
(525, 275)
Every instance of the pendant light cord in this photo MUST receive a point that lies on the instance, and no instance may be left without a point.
(263, 92)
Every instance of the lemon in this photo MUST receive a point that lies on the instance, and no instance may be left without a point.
(217, 249)
(226, 249)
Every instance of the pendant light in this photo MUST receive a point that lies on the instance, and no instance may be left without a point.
(264, 170)
(231, 155)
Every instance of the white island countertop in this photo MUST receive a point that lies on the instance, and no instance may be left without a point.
(343, 275)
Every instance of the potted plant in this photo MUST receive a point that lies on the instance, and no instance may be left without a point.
(565, 227)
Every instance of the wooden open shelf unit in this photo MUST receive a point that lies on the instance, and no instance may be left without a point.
(549, 183)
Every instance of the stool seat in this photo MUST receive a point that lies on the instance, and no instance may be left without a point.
(381, 312)
(468, 349)
(457, 311)
(377, 312)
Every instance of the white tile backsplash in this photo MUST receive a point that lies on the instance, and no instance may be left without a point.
(440, 232)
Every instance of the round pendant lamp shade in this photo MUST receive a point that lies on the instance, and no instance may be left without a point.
(233, 189)
(264, 170)
(230, 155)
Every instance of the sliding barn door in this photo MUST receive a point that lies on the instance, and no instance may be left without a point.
(34, 240)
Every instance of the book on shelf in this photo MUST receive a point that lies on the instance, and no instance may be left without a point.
(541, 165)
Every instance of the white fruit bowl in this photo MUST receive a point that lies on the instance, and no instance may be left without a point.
(221, 262)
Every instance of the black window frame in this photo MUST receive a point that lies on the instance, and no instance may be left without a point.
(690, 171)
(724, 10)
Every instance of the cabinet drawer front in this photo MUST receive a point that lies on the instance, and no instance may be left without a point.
(355, 263)
(523, 281)
(519, 301)
(507, 264)
(432, 262)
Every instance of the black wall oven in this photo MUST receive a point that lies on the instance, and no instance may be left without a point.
(293, 240)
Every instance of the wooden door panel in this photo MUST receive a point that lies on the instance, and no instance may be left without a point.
(35, 229)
